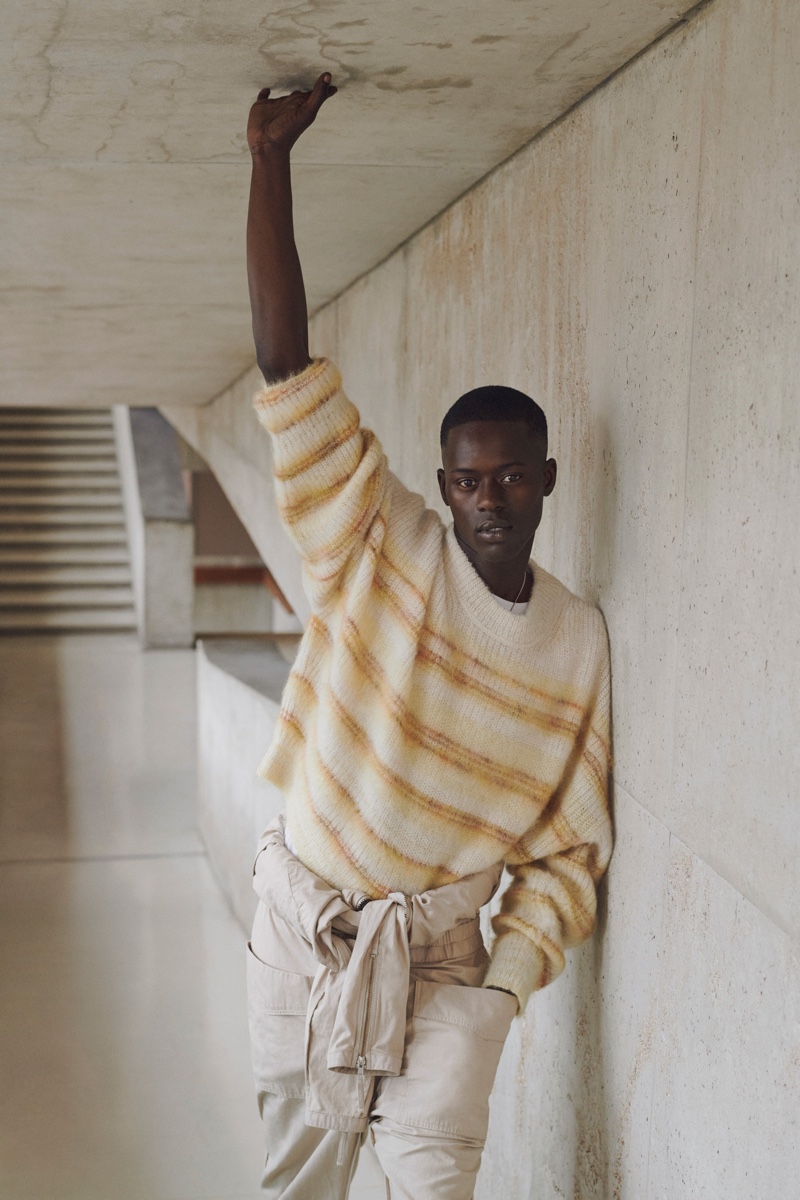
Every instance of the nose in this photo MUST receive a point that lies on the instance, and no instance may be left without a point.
(490, 496)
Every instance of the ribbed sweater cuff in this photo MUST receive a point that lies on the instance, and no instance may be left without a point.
(517, 966)
(280, 405)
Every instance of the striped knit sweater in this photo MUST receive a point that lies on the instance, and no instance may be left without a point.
(426, 732)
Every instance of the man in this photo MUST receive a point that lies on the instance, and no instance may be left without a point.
(448, 713)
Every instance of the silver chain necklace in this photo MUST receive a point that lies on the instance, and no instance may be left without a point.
(522, 588)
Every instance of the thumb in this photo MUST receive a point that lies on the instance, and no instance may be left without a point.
(320, 92)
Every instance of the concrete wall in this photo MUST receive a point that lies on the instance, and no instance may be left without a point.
(158, 525)
(636, 269)
(228, 436)
(232, 608)
(238, 694)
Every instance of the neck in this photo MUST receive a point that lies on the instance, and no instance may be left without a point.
(504, 579)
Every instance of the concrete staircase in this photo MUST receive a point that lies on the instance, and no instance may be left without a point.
(63, 549)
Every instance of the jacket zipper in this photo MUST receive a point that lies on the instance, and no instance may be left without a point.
(361, 1060)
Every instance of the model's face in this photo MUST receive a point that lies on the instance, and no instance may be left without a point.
(494, 478)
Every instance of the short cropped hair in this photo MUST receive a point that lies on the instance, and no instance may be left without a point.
(495, 403)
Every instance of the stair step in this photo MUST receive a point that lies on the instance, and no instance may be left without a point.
(63, 547)
(42, 450)
(10, 418)
(93, 620)
(115, 596)
(50, 575)
(55, 437)
(58, 431)
(46, 465)
(59, 536)
(55, 409)
(87, 554)
(55, 479)
(22, 498)
(20, 518)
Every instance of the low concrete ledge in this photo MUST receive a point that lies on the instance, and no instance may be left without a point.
(239, 686)
(159, 526)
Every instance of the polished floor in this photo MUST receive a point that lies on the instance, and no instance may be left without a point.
(124, 1071)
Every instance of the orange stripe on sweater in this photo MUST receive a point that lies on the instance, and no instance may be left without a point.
(269, 410)
(436, 742)
(404, 616)
(442, 658)
(304, 463)
(286, 388)
(371, 885)
(509, 681)
(383, 847)
(334, 546)
(388, 561)
(298, 508)
(598, 769)
(295, 724)
(402, 786)
(438, 662)
(548, 721)
(553, 954)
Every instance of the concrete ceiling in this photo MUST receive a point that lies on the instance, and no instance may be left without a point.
(124, 166)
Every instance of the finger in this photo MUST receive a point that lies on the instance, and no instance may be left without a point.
(263, 94)
(320, 91)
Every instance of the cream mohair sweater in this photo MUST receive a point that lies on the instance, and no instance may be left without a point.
(426, 732)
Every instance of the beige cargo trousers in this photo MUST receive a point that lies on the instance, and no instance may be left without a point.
(370, 1022)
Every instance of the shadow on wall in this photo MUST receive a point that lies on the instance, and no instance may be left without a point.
(590, 1149)
(603, 509)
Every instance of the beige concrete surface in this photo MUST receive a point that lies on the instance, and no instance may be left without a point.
(235, 723)
(124, 167)
(123, 1031)
(159, 527)
(727, 1069)
(233, 440)
(634, 270)
(232, 608)
(96, 757)
(571, 1111)
(738, 695)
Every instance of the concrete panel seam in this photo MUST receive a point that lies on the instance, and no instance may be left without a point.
(719, 875)
(665, 888)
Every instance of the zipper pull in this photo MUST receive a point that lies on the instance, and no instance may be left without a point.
(361, 1063)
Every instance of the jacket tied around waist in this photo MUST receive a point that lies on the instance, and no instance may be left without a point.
(365, 952)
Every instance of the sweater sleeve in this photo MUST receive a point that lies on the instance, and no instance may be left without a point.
(551, 903)
(330, 474)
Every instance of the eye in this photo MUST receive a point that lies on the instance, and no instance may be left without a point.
(465, 484)
(510, 478)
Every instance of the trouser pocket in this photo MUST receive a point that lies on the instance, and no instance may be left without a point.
(453, 1046)
(276, 1007)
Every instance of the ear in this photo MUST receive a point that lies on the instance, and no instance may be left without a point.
(441, 478)
(550, 474)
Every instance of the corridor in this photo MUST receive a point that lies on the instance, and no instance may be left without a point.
(123, 1033)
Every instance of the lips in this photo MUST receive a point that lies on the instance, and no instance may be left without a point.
(494, 530)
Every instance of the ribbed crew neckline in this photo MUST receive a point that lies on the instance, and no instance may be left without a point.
(480, 610)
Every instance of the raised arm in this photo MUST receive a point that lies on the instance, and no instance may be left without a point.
(277, 294)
